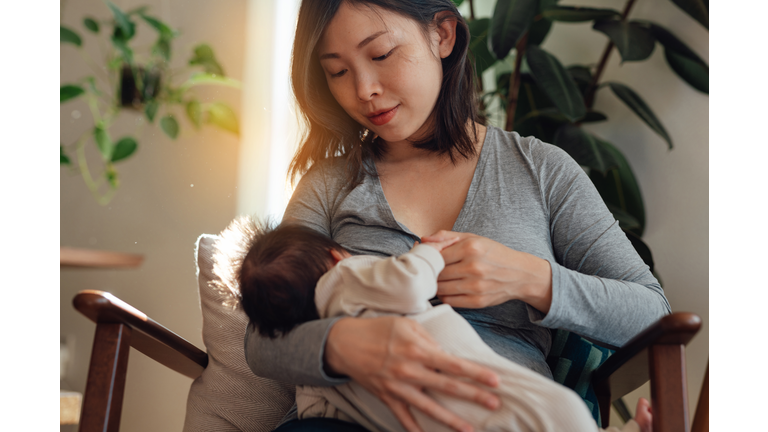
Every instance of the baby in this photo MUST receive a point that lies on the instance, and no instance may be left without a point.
(292, 274)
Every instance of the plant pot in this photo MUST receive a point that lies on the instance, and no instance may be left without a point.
(137, 86)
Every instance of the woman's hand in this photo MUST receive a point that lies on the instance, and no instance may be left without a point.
(395, 359)
(480, 272)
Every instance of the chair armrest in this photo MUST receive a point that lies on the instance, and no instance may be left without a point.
(148, 337)
(628, 368)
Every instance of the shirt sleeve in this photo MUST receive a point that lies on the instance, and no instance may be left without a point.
(297, 356)
(601, 288)
(399, 284)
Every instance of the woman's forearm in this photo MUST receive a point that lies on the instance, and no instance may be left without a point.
(296, 357)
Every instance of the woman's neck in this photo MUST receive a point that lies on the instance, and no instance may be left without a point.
(404, 152)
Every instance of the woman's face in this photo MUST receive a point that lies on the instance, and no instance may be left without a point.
(382, 71)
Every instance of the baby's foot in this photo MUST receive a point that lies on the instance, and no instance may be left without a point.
(643, 415)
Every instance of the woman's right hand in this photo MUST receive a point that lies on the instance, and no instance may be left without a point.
(395, 359)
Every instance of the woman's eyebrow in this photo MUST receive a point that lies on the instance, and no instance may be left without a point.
(365, 42)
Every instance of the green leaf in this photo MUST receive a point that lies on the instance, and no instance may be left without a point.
(103, 142)
(619, 188)
(70, 91)
(593, 117)
(165, 31)
(204, 78)
(693, 72)
(221, 115)
(203, 56)
(626, 220)
(458, 2)
(125, 51)
(124, 148)
(91, 24)
(170, 126)
(478, 45)
(63, 157)
(69, 36)
(636, 104)
(683, 60)
(125, 29)
(539, 31)
(530, 98)
(195, 113)
(162, 48)
(578, 14)
(584, 148)
(511, 18)
(697, 9)
(556, 82)
(634, 42)
(150, 110)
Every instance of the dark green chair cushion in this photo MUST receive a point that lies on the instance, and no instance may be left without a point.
(572, 360)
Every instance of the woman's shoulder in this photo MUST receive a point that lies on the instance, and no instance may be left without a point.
(510, 147)
(329, 173)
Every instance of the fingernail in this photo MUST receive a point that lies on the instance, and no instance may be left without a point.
(492, 403)
(467, 428)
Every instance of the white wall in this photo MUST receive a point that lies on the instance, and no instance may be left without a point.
(675, 184)
(172, 191)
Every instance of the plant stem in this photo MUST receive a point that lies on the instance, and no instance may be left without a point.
(589, 98)
(514, 83)
(471, 10)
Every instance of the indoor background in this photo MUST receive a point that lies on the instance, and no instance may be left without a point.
(174, 190)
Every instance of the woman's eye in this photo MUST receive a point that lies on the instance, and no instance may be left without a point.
(380, 58)
(338, 74)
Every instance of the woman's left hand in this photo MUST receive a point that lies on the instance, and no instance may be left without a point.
(480, 272)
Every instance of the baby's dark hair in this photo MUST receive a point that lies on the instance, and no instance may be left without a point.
(279, 274)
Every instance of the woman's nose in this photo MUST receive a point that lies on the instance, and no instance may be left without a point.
(368, 86)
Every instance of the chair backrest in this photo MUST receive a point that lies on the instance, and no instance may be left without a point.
(228, 396)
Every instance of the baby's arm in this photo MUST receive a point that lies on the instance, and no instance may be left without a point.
(402, 284)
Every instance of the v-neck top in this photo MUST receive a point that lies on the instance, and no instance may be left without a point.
(525, 194)
(377, 189)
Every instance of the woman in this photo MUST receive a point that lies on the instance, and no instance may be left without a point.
(395, 152)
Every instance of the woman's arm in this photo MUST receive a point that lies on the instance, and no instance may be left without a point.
(393, 357)
(597, 285)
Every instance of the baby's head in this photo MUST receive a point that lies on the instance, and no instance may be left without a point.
(279, 273)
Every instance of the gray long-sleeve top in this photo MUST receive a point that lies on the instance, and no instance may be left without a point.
(525, 194)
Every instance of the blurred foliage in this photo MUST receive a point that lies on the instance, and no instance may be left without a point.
(539, 96)
(128, 78)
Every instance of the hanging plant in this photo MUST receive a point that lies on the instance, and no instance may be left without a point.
(137, 81)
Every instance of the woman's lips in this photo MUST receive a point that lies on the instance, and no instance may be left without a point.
(383, 118)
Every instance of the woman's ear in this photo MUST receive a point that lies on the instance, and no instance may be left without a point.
(446, 30)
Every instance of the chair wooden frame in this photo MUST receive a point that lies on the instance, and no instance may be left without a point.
(657, 354)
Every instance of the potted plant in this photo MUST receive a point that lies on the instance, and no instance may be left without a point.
(139, 81)
(539, 96)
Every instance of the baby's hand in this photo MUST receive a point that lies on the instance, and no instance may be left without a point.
(440, 245)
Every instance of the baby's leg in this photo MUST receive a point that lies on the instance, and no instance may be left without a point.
(529, 401)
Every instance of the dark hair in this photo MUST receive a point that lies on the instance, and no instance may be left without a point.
(332, 132)
(279, 274)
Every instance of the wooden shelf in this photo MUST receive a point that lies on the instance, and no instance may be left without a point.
(90, 258)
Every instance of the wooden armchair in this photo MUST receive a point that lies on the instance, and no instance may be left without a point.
(658, 354)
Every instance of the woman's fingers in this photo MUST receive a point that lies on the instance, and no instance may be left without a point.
(424, 403)
(401, 411)
(395, 358)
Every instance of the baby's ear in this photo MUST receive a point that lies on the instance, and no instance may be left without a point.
(337, 255)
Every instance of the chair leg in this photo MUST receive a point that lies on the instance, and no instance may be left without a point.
(669, 395)
(103, 399)
(701, 418)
